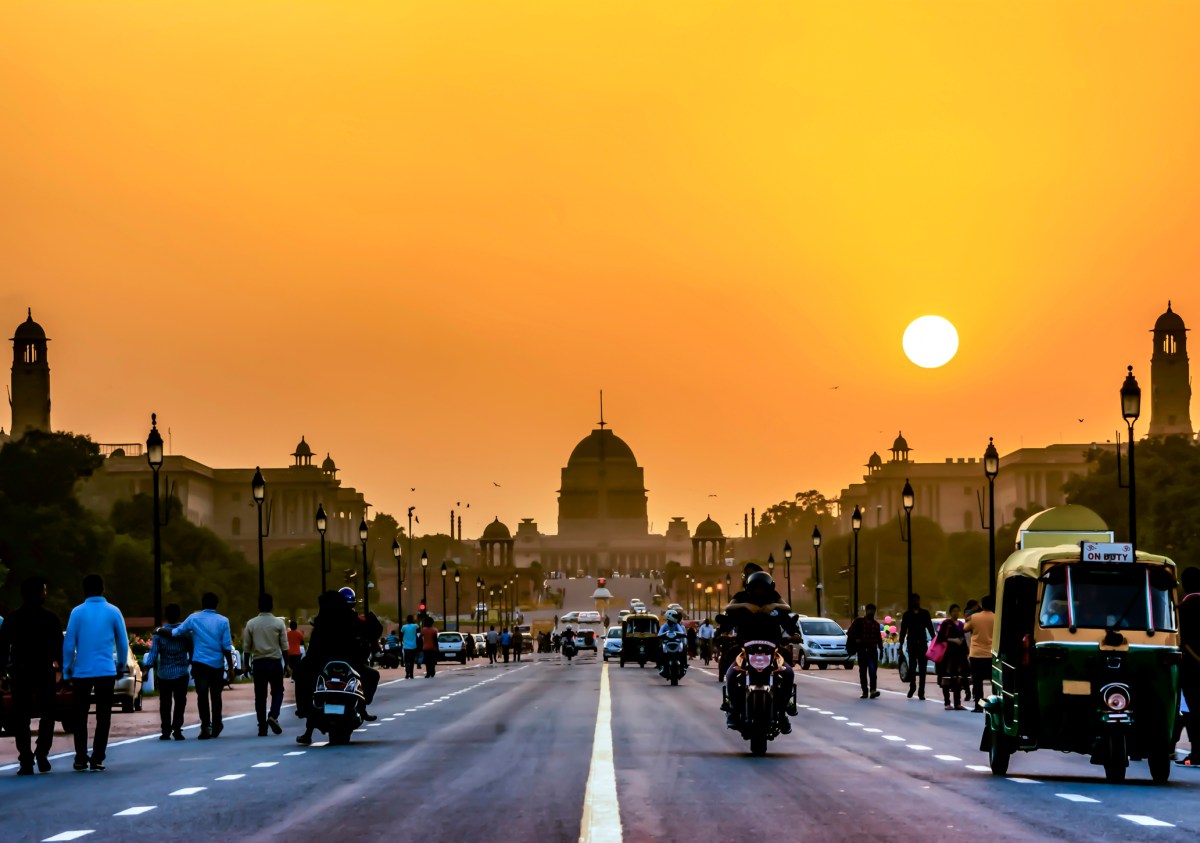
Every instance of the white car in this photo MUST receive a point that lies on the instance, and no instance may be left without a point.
(452, 645)
(589, 617)
(822, 642)
(569, 617)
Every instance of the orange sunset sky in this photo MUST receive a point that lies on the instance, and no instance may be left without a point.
(425, 234)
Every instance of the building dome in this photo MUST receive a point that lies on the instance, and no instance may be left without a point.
(901, 444)
(708, 529)
(328, 465)
(29, 331)
(496, 531)
(1169, 322)
(302, 450)
(600, 442)
(875, 461)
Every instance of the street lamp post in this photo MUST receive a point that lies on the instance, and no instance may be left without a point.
(399, 581)
(855, 526)
(322, 526)
(991, 468)
(771, 564)
(816, 542)
(708, 590)
(908, 499)
(699, 591)
(424, 581)
(1131, 408)
(154, 456)
(479, 616)
(443, 595)
(456, 580)
(492, 602)
(787, 567)
(366, 585)
(258, 488)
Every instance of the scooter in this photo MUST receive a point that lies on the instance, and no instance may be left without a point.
(673, 662)
(338, 702)
(759, 717)
(569, 649)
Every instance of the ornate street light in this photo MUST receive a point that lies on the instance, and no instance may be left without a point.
(816, 543)
(908, 499)
(366, 585)
(258, 488)
(424, 581)
(456, 581)
(443, 595)
(322, 526)
(787, 560)
(1131, 408)
(480, 616)
(991, 468)
(154, 456)
(771, 564)
(855, 526)
(399, 580)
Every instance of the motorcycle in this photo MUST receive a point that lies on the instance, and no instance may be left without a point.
(760, 718)
(673, 662)
(338, 702)
(388, 659)
(706, 650)
(569, 649)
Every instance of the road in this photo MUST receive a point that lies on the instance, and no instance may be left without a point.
(539, 751)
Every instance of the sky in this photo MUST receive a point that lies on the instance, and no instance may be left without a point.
(425, 235)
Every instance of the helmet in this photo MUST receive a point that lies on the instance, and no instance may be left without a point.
(672, 616)
(760, 581)
(348, 593)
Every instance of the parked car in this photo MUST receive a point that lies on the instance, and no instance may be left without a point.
(612, 642)
(527, 638)
(452, 645)
(127, 693)
(480, 645)
(822, 642)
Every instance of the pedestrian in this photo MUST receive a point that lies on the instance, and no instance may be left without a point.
(295, 651)
(493, 641)
(505, 643)
(705, 637)
(212, 651)
(916, 629)
(866, 641)
(264, 641)
(95, 653)
(518, 642)
(31, 645)
(953, 668)
(429, 647)
(692, 642)
(1189, 642)
(470, 645)
(171, 657)
(410, 642)
(971, 608)
(980, 627)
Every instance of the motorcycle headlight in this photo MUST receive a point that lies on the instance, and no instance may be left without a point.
(1115, 697)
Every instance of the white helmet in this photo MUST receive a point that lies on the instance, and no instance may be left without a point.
(672, 616)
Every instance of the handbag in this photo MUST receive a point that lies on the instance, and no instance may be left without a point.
(936, 651)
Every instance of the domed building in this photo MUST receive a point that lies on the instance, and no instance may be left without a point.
(1170, 378)
(30, 391)
(603, 526)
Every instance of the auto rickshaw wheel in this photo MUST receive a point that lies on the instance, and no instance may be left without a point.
(998, 754)
(1116, 760)
(1160, 767)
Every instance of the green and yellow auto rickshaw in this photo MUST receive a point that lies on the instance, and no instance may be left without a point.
(1085, 652)
(639, 638)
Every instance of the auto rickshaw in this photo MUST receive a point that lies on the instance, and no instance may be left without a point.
(639, 641)
(1085, 651)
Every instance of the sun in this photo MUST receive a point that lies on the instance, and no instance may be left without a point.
(930, 341)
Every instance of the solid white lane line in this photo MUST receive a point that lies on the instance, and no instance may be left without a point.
(186, 791)
(136, 810)
(232, 777)
(1140, 819)
(1075, 797)
(947, 758)
(70, 835)
(264, 764)
(601, 821)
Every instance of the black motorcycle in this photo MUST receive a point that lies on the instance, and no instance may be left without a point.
(760, 717)
(338, 702)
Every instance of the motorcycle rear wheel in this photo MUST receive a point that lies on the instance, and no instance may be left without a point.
(758, 745)
(339, 737)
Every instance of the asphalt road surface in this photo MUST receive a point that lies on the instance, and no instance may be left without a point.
(542, 751)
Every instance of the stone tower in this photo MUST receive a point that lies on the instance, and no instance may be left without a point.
(1170, 381)
(30, 396)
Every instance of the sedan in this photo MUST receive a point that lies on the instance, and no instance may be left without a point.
(452, 645)
(612, 642)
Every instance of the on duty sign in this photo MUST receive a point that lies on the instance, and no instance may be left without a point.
(1107, 552)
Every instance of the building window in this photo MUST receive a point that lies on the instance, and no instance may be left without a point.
(236, 527)
(1169, 344)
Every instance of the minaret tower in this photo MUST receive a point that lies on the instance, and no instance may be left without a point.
(1170, 380)
(30, 395)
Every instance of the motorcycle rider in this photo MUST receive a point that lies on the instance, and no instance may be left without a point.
(567, 639)
(759, 614)
(705, 637)
(670, 624)
(368, 630)
(337, 635)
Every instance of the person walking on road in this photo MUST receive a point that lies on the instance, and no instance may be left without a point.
(31, 644)
(953, 668)
(171, 657)
(493, 641)
(95, 652)
(264, 641)
(295, 639)
(429, 647)
(212, 651)
(505, 643)
(518, 642)
(867, 643)
(979, 626)
(410, 643)
(916, 629)
(1189, 642)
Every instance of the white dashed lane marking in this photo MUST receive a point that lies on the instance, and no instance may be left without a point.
(1075, 797)
(232, 777)
(135, 811)
(264, 764)
(1140, 819)
(919, 747)
(186, 791)
(295, 752)
(979, 768)
(70, 835)
(947, 758)
(1020, 780)
(895, 738)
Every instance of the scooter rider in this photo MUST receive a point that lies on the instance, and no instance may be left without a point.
(670, 624)
(759, 614)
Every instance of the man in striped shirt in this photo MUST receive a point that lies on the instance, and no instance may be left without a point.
(170, 657)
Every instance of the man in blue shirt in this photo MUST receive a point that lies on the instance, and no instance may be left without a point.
(95, 653)
(170, 658)
(410, 641)
(212, 649)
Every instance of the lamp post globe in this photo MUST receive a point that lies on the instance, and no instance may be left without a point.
(322, 526)
(154, 456)
(771, 563)
(909, 500)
